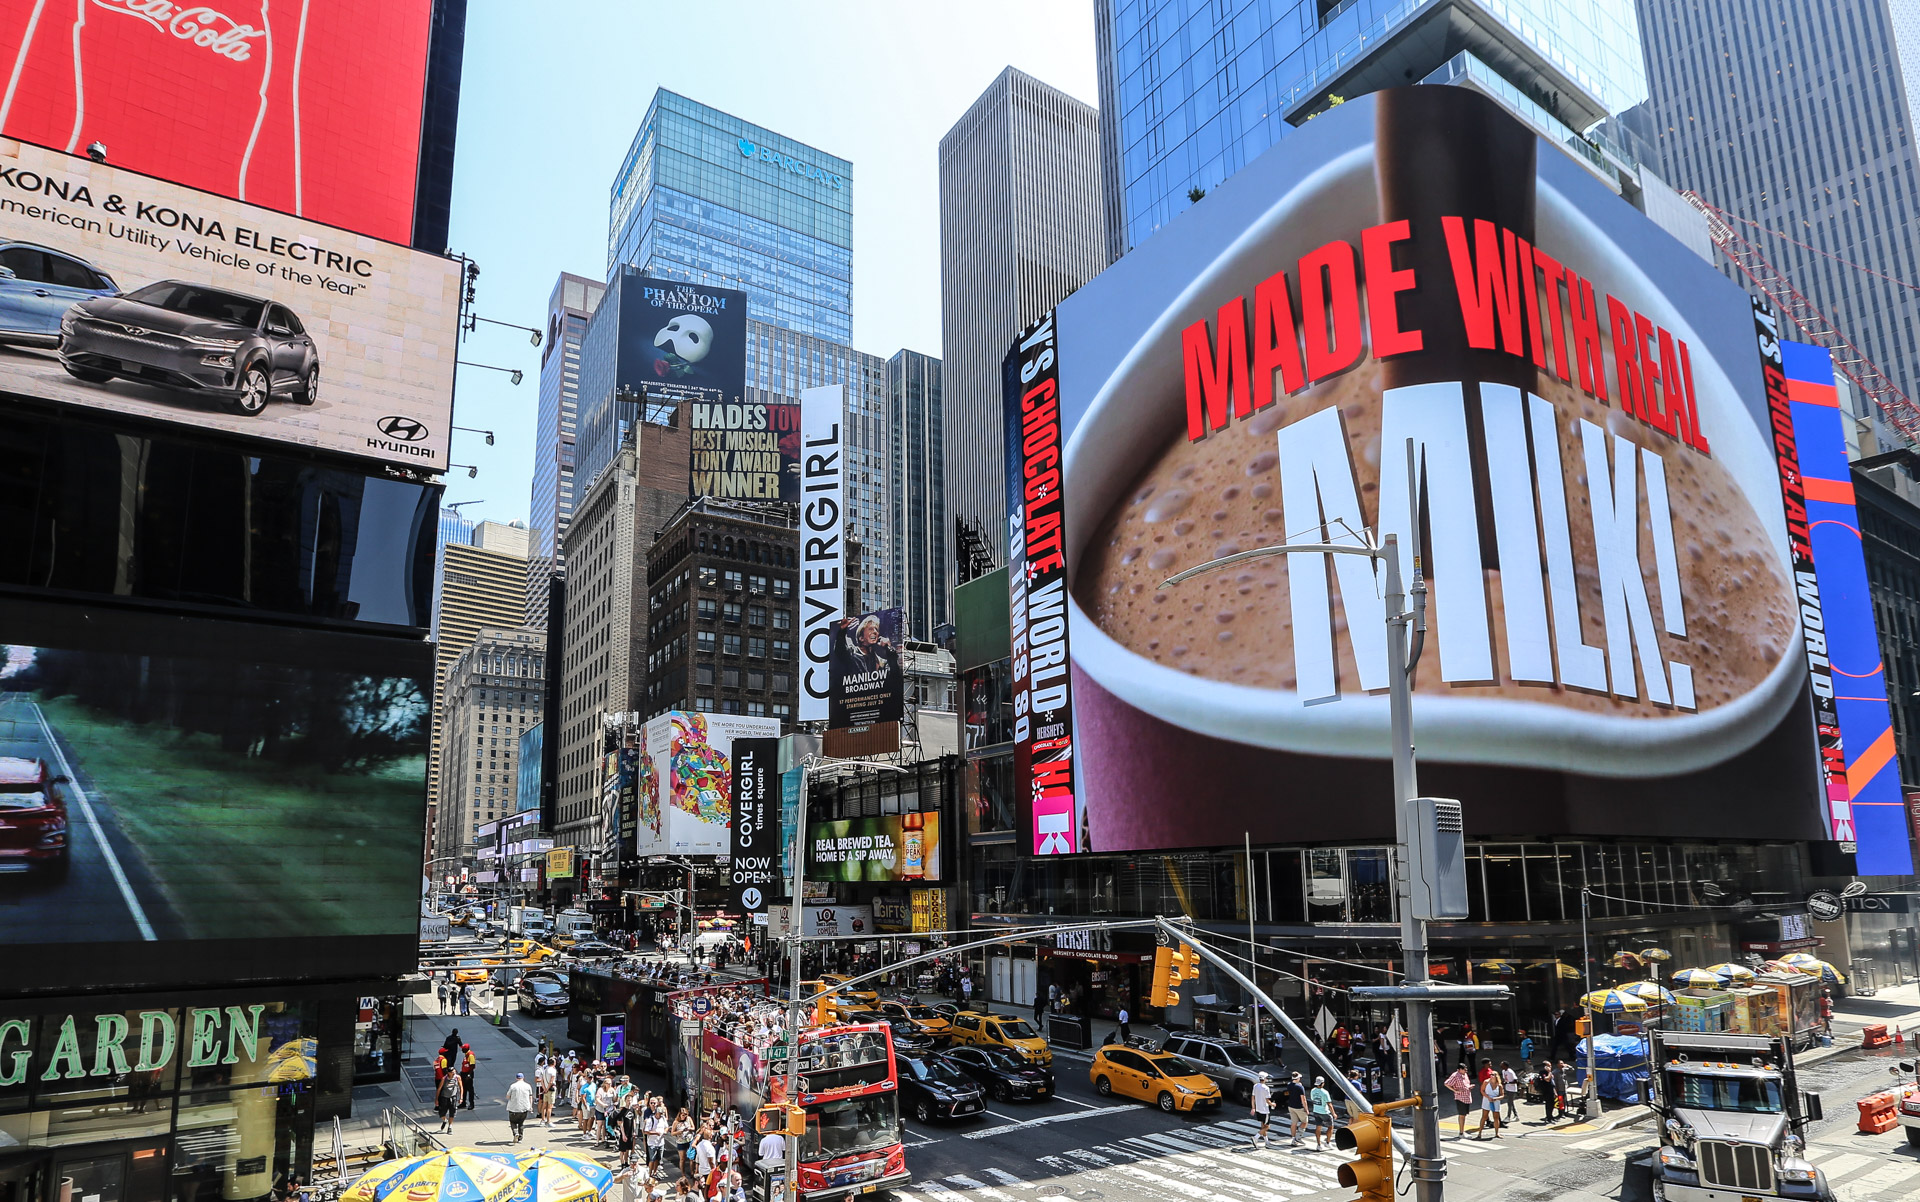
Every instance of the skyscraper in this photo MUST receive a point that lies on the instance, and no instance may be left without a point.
(1022, 224)
(453, 529)
(916, 493)
(1191, 92)
(483, 583)
(1810, 150)
(492, 694)
(573, 301)
(705, 197)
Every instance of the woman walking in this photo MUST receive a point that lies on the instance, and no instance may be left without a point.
(1492, 1089)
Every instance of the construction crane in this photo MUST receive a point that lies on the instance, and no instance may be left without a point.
(1899, 410)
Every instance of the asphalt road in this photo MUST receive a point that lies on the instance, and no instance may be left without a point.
(108, 894)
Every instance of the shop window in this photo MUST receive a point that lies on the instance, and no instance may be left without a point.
(1506, 882)
(988, 783)
(1545, 900)
(1326, 886)
(1369, 885)
(1288, 891)
(245, 1142)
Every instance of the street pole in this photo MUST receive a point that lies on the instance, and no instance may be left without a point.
(795, 916)
(1590, 1097)
(1253, 946)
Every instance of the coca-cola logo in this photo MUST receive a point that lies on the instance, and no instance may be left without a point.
(206, 27)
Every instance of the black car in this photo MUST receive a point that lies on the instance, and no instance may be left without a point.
(239, 349)
(593, 949)
(1005, 1076)
(906, 1040)
(931, 1089)
(541, 995)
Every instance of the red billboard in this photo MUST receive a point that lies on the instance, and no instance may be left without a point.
(312, 109)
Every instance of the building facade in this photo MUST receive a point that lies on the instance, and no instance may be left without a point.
(921, 564)
(708, 198)
(723, 601)
(604, 647)
(494, 692)
(1815, 144)
(1022, 224)
(482, 585)
(571, 304)
(452, 529)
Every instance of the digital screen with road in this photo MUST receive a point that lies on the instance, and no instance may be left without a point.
(244, 791)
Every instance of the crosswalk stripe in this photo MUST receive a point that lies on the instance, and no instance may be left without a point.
(980, 1187)
(1172, 1185)
(1844, 1163)
(1885, 1178)
(1006, 1178)
(1091, 1157)
(1608, 1139)
(1284, 1173)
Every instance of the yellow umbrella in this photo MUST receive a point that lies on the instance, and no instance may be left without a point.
(1812, 965)
(455, 1175)
(1626, 960)
(549, 1175)
(1502, 967)
(1698, 977)
(1613, 1001)
(1565, 972)
(1650, 991)
(1656, 953)
(1733, 972)
(292, 1061)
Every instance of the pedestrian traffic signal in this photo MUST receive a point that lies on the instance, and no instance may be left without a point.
(1371, 1137)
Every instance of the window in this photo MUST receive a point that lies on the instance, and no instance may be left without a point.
(730, 613)
(703, 641)
(730, 677)
(709, 609)
(782, 710)
(782, 589)
(757, 709)
(704, 704)
(703, 674)
(759, 584)
(756, 615)
(757, 648)
(756, 679)
(783, 619)
(709, 577)
(735, 581)
(782, 649)
(729, 706)
(731, 644)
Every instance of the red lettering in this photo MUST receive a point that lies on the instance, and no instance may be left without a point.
(1550, 272)
(1585, 316)
(1276, 343)
(1693, 411)
(1217, 374)
(1383, 312)
(1044, 390)
(1625, 363)
(1534, 337)
(1486, 295)
(1672, 392)
(1043, 485)
(1330, 307)
(1656, 413)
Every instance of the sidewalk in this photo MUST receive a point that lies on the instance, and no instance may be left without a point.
(1896, 1006)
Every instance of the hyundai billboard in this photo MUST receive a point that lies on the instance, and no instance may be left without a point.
(311, 109)
(1614, 642)
(127, 294)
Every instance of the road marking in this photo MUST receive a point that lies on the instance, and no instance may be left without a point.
(1078, 1102)
(1610, 1139)
(100, 837)
(1006, 1178)
(1841, 1165)
(1884, 1178)
(980, 1187)
(1044, 1121)
(1282, 1173)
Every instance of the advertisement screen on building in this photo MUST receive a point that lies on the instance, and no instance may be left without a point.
(823, 552)
(123, 293)
(686, 781)
(183, 800)
(868, 685)
(313, 110)
(892, 847)
(1865, 804)
(1614, 641)
(755, 847)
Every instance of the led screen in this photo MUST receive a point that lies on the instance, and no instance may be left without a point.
(187, 800)
(312, 109)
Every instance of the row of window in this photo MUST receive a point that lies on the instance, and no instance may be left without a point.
(755, 678)
(753, 709)
(730, 644)
(731, 613)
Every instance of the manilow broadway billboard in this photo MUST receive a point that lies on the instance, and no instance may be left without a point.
(128, 294)
(1614, 643)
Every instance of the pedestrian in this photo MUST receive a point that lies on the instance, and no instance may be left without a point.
(442, 991)
(1039, 1004)
(441, 1067)
(1826, 1011)
(966, 992)
(1526, 1049)
(1295, 1097)
(653, 1129)
(1564, 1035)
(1556, 1090)
(452, 1046)
(468, 1064)
(546, 1080)
(1126, 1036)
(466, 1000)
(772, 1150)
(1469, 1048)
(1492, 1090)
(1461, 1086)
(626, 1130)
(1341, 1042)
(1320, 1107)
(704, 1156)
(1510, 1087)
(446, 1100)
(519, 1102)
(606, 1097)
(1262, 1109)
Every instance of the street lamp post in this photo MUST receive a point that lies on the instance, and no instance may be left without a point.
(1406, 634)
(1590, 1099)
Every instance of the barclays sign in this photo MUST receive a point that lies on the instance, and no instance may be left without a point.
(766, 154)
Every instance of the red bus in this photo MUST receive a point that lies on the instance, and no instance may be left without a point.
(849, 1088)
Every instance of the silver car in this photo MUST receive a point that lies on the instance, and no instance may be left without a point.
(1232, 1066)
(38, 285)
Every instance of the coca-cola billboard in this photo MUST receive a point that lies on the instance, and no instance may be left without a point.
(140, 297)
(312, 109)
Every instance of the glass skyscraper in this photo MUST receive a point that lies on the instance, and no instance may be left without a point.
(572, 303)
(708, 198)
(1192, 90)
(917, 493)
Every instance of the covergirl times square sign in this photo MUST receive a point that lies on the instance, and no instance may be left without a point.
(1616, 644)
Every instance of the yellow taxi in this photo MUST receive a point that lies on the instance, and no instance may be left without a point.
(470, 972)
(862, 998)
(924, 1019)
(1151, 1077)
(1015, 1034)
(528, 950)
(838, 1005)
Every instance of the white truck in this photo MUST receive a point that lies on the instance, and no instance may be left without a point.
(1907, 1110)
(1732, 1122)
(573, 924)
(528, 921)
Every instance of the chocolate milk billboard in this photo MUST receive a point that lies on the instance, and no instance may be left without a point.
(1615, 642)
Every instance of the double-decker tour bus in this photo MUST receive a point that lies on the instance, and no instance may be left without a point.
(848, 1088)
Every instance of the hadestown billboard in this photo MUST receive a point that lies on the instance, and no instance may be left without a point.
(1615, 644)
(129, 294)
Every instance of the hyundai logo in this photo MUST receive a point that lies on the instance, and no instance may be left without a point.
(405, 429)
(137, 331)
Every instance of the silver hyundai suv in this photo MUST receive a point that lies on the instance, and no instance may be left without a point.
(1232, 1066)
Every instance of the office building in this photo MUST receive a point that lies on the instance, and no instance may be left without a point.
(920, 563)
(1192, 92)
(705, 197)
(573, 301)
(605, 618)
(452, 529)
(494, 692)
(483, 584)
(1022, 224)
(723, 593)
(1815, 144)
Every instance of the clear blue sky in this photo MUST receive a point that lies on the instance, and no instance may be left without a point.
(550, 100)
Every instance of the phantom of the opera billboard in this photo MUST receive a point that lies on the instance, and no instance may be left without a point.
(1614, 640)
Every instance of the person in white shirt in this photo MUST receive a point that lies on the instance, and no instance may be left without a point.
(703, 1157)
(1262, 1107)
(654, 1128)
(546, 1079)
(519, 1101)
(773, 1149)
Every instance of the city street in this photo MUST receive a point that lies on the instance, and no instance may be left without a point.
(108, 894)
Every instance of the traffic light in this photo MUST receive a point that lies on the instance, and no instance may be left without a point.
(1161, 994)
(1370, 1136)
(1186, 965)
